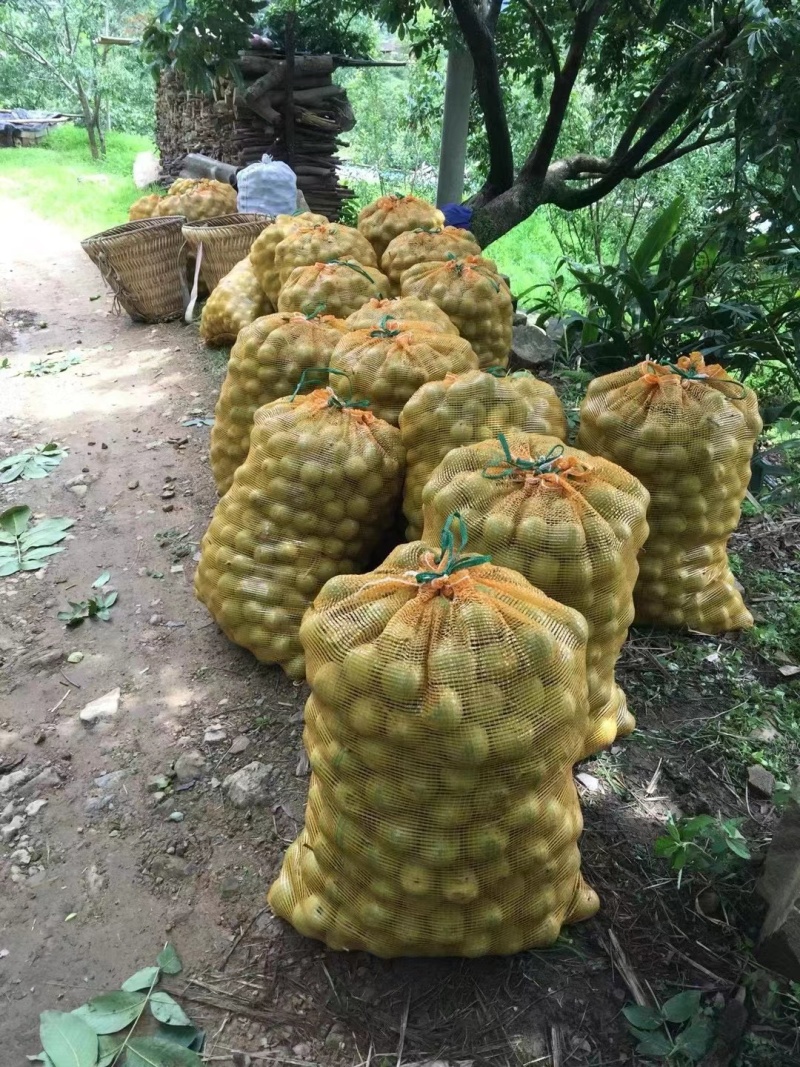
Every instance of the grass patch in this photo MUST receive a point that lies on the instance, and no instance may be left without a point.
(48, 179)
(527, 254)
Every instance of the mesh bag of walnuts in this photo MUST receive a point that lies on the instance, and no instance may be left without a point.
(425, 246)
(236, 301)
(206, 199)
(386, 366)
(448, 705)
(687, 431)
(385, 218)
(144, 207)
(340, 286)
(462, 409)
(314, 498)
(572, 524)
(400, 309)
(266, 363)
(306, 245)
(262, 251)
(476, 299)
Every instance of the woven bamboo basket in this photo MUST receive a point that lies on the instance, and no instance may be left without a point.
(144, 263)
(225, 240)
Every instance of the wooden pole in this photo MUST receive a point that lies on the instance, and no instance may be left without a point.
(288, 107)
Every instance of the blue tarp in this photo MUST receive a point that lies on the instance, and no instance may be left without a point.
(48, 118)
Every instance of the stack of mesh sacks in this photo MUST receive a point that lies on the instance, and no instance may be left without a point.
(268, 361)
(448, 706)
(315, 496)
(687, 431)
(195, 199)
(465, 408)
(572, 524)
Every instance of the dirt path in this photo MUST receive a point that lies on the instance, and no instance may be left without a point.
(101, 852)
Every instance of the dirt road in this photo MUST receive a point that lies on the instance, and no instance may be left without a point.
(98, 878)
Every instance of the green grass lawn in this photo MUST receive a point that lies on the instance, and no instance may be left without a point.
(528, 255)
(48, 177)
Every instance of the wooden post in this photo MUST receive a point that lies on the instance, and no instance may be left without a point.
(288, 107)
(455, 126)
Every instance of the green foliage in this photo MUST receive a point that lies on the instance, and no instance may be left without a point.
(52, 61)
(322, 26)
(36, 462)
(26, 547)
(97, 606)
(653, 1029)
(40, 367)
(199, 38)
(702, 845)
(102, 1031)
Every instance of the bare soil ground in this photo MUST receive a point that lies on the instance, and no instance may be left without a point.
(110, 876)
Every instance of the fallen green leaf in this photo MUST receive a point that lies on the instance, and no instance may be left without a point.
(168, 960)
(144, 979)
(102, 580)
(24, 547)
(67, 1039)
(110, 1012)
(34, 462)
(110, 1046)
(188, 1036)
(168, 1011)
(157, 1052)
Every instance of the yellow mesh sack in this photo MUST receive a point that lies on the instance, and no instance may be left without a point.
(237, 300)
(144, 207)
(262, 251)
(206, 199)
(475, 298)
(266, 363)
(168, 205)
(306, 245)
(181, 186)
(462, 409)
(687, 432)
(386, 366)
(425, 246)
(448, 706)
(386, 217)
(313, 499)
(572, 524)
(340, 287)
(401, 309)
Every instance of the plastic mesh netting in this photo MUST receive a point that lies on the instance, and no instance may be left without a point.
(315, 496)
(266, 363)
(386, 367)
(339, 287)
(687, 432)
(320, 244)
(462, 409)
(262, 252)
(425, 246)
(448, 706)
(475, 298)
(388, 216)
(236, 301)
(572, 524)
(400, 309)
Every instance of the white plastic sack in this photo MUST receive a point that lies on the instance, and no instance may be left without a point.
(267, 188)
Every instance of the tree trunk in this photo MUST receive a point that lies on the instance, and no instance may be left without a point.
(496, 217)
(88, 118)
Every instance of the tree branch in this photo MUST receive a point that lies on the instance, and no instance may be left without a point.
(480, 42)
(541, 28)
(670, 77)
(662, 159)
(33, 53)
(535, 167)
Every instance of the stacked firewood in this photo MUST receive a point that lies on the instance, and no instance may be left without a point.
(288, 109)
